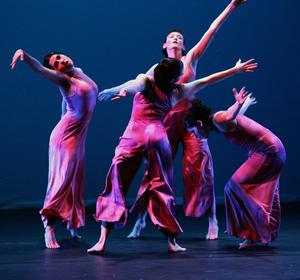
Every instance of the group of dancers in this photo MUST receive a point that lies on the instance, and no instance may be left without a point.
(165, 113)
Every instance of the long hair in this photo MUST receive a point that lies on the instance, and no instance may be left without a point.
(168, 70)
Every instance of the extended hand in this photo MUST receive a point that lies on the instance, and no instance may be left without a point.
(248, 66)
(242, 95)
(105, 95)
(250, 100)
(19, 55)
(121, 94)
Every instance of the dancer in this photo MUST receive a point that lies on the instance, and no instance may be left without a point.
(198, 176)
(252, 193)
(64, 198)
(145, 136)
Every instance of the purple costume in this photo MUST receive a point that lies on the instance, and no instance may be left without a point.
(64, 197)
(145, 136)
(252, 193)
(197, 164)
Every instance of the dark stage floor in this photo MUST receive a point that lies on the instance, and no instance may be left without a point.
(23, 256)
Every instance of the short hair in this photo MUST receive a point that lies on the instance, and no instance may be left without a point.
(198, 111)
(46, 61)
(167, 70)
(164, 51)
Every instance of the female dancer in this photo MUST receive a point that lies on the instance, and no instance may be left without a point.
(64, 197)
(145, 135)
(252, 193)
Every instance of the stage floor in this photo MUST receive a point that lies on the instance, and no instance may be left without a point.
(23, 256)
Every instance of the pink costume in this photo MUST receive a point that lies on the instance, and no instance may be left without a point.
(252, 193)
(197, 164)
(145, 136)
(64, 197)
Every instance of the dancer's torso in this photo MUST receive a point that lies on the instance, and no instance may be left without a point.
(253, 137)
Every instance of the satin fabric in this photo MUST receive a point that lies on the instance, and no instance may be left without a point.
(144, 137)
(64, 197)
(252, 193)
(197, 163)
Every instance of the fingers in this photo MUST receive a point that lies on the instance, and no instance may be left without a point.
(234, 91)
(13, 65)
(249, 61)
(116, 98)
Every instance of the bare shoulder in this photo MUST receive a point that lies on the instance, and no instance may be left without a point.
(221, 121)
(219, 117)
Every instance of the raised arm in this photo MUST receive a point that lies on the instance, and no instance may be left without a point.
(198, 50)
(243, 100)
(190, 89)
(56, 77)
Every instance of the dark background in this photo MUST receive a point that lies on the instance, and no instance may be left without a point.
(113, 41)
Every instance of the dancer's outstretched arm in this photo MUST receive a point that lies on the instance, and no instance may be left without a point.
(190, 89)
(109, 94)
(56, 77)
(199, 49)
(243, 99)
(132, 87)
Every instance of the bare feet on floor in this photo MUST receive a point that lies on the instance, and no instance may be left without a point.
(213, 230)
(50, 240)
(246, 244)
(136, 231)
(74, 233)
(97, 249)
(173, 247)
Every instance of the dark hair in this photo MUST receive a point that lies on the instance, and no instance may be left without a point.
(164, 51)
(165, 71)
(198, 111)
(46, 61)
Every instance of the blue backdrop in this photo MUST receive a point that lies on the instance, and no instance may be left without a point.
(113, 41)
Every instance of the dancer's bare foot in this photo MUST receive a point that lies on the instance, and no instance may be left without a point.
(173, 247)
(136, 231)
(74, 233)
(246, 244)
(98, 248)
(50, 240)
(213, 229)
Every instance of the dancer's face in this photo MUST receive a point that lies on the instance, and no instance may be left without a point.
(174, 40)
(61, 63)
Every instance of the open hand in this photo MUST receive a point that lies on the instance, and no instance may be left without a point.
(121, 94)
(248, 66)
(243, 96)
(104, 95)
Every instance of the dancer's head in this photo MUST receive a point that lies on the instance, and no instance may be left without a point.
(58, 61)
(174, 39)
(199, 119)
(167, 73)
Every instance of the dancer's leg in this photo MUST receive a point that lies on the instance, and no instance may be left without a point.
(100, 245)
